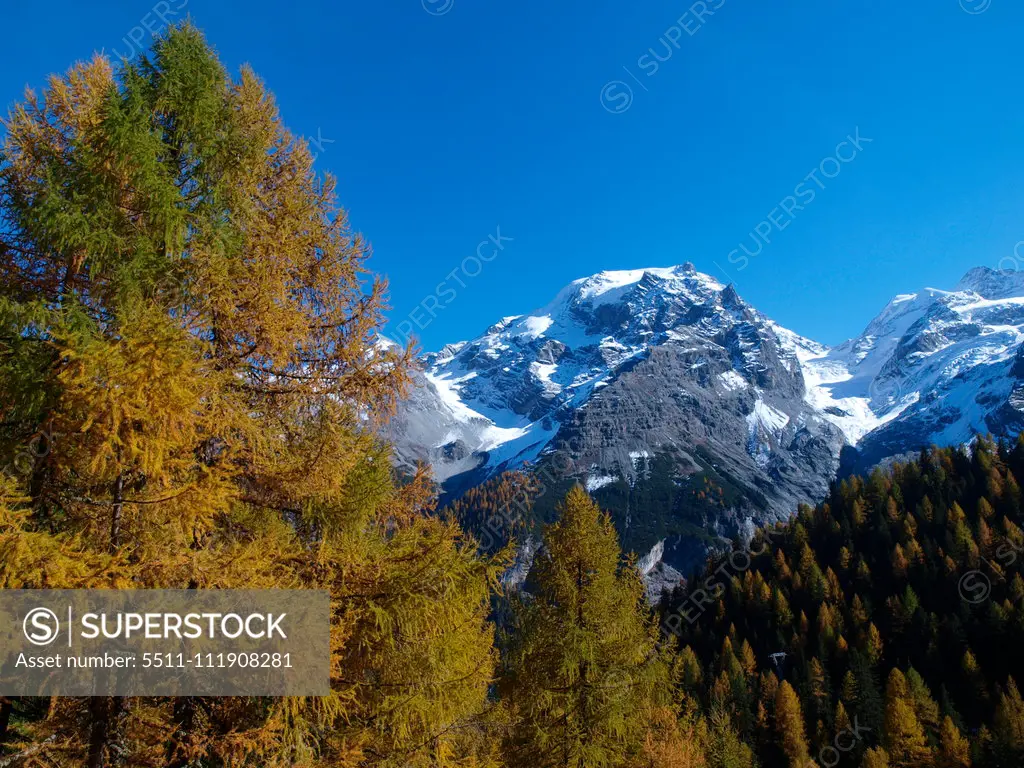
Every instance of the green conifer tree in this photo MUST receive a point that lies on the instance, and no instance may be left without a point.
(584, 674)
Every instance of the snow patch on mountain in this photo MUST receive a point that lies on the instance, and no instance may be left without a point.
(534, 327)
(767, 418)
(764, 425)
(490, 435)
(597, 482)
(732, 381)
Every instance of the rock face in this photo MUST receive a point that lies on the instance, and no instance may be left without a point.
(662, 389)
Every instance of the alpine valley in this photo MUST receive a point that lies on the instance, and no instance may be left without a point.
(662, 390)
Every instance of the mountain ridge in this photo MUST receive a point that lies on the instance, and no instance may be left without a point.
(626, 370)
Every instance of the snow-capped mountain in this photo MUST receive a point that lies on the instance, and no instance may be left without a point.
(664, 381)
(618, 368)
(935, 367)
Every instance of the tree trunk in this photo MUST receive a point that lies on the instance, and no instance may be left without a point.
(6, 708)
(583, 692)
(116, 512)
(184, 719)
(99, 731)
(106, 724)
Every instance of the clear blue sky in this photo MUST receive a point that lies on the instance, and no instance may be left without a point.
(488, 114)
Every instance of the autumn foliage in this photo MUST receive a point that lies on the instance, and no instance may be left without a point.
(187, 314)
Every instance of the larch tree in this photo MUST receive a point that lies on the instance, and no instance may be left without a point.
(904, 738)
(789, 727)
(954, 749)
(188, 314)
(875, 758)
(584, 674)
(1009, 723)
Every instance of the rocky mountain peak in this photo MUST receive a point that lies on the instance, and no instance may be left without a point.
(522, 386)
(992, 283)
